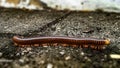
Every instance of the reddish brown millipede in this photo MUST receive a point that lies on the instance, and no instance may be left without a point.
(80, 42)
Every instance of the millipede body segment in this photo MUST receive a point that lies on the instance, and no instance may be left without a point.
(82, 42)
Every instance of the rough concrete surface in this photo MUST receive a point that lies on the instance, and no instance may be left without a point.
(58, 23)
(25, 21)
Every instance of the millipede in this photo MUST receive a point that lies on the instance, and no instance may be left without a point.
(74, 42)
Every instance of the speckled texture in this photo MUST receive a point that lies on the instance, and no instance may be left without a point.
(73, 24)
(21, 22)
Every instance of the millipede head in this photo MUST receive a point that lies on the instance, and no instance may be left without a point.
(107, 41)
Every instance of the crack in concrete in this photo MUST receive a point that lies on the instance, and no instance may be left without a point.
(41, 29)
(8, 35)
(46, 26)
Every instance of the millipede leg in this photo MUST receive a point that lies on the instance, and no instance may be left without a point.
(103, 47)
(92, 46)
(55, 44)
(81, 46)
(86, 46)
(69, 45)
(22, 45)
(74, 46)
(15, 44)
(40, 45)
(49, 44)
(36, 45)
(89, 46)
(64, 45)
(44, 45)
(97, 47)
(28, 45)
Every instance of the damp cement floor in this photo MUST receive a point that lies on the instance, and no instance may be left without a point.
(58, 23)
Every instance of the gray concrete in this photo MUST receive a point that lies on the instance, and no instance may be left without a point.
(21, 22)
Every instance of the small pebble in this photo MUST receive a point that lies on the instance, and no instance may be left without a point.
(46, 51)
(58, 28)
(1, 54)
(105, 56)
(22, 53)
(86, 57)
(25, 51)
(21, 61)
(42, 62)
(18, 54)
(5, 60)
(102, 59)
(115, 56)
(67, 58)
(90, 17)
(30, 52)
(29, 49)
(62, 52)
(49, 65)
(82, 53)
(26, 66)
